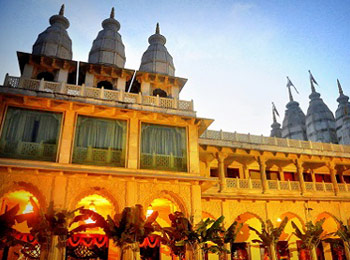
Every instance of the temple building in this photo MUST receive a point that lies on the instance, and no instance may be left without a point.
(98, 135)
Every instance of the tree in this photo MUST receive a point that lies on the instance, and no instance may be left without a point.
(179, 235)
(270, 235)
(7, 232)
(312, 237)
(343, 233)
(208, 235)
(49, 229)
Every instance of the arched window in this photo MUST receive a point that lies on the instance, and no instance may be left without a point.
(47, 76)
(106, 84)
(159, 92)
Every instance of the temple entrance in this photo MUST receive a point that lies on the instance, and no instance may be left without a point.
(151, 248)
(8, 201)
(92, 244)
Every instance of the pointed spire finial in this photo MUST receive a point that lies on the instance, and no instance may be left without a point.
(112, 13)
(157, 29)
(61, 12)
(340, 88)
(290, 84)
(312, 82)
(274, 112)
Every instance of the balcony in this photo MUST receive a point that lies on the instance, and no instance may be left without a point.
(97, 93)
(163, 162)
(234, 186)
(211, 137)
(29, 150)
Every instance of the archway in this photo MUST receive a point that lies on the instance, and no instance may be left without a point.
(93, 243)
(164, 207)
(289, 245)
(243, 247)
(20, 197)
(47, 76)
(105, 84)
(159, 92)
(333, 250)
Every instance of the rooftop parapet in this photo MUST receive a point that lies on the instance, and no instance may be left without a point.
(98, 93)
(221, 138)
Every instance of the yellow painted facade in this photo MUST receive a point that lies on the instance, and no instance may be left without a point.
(243, 177)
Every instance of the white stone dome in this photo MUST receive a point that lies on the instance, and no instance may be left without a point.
(108, 47)
(54, 41)
(156, 58)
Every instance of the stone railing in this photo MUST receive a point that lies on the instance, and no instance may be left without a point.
(281, 142)
(98, 93)
(256, 186)
(28, 150)
(247, 184)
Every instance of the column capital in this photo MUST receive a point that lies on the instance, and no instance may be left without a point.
(299, 164)
(331, 166)
(221, 156)
(261, 161)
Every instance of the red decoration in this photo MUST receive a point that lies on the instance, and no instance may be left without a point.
(88, 240)
(151, 241)
(26, 237)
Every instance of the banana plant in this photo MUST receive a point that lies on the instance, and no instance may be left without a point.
(49, 229)
(270, 235)
(210, 235)
(312, 236)
(8, 233)
(180, 235)
(127, 230)
(343, 233)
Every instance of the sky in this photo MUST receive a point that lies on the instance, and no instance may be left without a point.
(235, 54)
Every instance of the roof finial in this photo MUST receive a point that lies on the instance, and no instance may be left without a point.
(112, 13)
(340, 88)
(290, 84)
(61, 10)
(157, 29)
(312, 82)
(274, 112)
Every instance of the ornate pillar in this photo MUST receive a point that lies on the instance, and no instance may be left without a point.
(300, 171)
(246, 171)
(131, 192)
(67, 137)
(281, 173)
(333, 172)
(262, 165)
(196, 202)
(221, 167)
(133, 150)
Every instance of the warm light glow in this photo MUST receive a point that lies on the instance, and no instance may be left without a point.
(28, 208)
(149, 211)
(279, 220)
(89, 221)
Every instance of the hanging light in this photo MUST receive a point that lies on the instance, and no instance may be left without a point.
(149, 211)
(93, 208)
(28, 209)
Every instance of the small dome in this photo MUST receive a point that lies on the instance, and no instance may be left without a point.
(54, 41)
(342, 111)
(320, 122)
(108, 47)
(156, 58)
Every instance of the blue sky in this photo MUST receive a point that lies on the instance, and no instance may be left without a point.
(236, 54)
